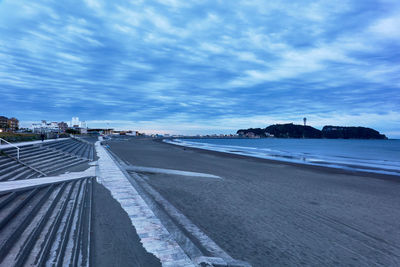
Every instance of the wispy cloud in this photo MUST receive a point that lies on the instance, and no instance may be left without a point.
(188, 66)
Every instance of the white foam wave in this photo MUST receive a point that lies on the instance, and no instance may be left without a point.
(347, 163)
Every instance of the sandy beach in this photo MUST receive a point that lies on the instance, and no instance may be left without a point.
(273, 213)
(115, 242)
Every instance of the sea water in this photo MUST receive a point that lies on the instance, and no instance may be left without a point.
(378, 156)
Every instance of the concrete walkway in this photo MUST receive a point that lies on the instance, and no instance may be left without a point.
(155, 237)
(171, 172)
(18, 185)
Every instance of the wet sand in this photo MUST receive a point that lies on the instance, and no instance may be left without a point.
(114, 239)
(273, 213)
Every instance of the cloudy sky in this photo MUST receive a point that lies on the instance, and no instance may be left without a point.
(201, 66)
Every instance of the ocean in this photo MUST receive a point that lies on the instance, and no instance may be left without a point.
(377, 156)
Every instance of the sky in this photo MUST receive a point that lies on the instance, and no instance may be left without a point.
(199, 67)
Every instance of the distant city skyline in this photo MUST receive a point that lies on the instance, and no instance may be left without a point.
(188, 67)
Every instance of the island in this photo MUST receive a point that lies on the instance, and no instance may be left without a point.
(290, 130)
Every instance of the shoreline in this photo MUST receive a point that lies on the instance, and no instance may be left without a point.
(265, 211)
(318, 168)
(226, 137)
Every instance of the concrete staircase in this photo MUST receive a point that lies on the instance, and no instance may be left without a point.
(47, 225)
(74, 147)
(43, 159)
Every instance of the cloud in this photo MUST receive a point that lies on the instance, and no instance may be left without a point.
(196, 66)
(387, 28)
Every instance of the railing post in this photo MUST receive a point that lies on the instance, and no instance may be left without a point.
(18, 153)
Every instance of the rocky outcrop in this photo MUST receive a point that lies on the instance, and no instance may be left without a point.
(252, 132)
(291, 130)
(336, 132)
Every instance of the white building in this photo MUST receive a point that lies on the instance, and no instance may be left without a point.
(45, 127)
(76, 123)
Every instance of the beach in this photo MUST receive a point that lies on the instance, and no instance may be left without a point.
(114, 240)
(272, 213)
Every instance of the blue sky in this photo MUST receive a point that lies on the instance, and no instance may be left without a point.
(201, 66)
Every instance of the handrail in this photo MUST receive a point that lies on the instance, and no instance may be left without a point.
(1, 139)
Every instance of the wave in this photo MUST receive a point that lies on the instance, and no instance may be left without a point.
(341, 162)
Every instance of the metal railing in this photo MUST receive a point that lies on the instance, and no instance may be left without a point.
(5, 141)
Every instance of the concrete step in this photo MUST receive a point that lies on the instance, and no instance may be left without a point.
(4, 159)
(48, 157)
(64, 165)
(13, 149)
(37, 153)
(11, 167)
(46, 160)
(47, 226)
(14, 220)
(78, 151)
(69, 243)
(57, 143)
(86, 152)
(52, 163)
(41, 157)
(28, 148)
(65, 146)
(64, 228)
(6, 163)
(33, 174)
(23, 150)
(23, 246)
(81, 153)
(55, 229)
(19, 168)
(21, 173)
(58, 147)
(28, 173)
(81, 150)
(27, 154)
(72, 148)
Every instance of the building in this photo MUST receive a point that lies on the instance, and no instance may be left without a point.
(8, 124)
(13, 124)
(78, 126)
(3, 123)
(45, 127)
(62, 126)
(76, 123)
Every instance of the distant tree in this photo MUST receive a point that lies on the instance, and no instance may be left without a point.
(335, 132)
(291, 130)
